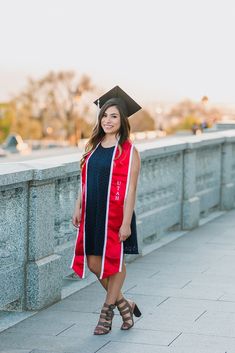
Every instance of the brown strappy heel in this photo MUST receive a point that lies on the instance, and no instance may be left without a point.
(104, 325)
(126, 311)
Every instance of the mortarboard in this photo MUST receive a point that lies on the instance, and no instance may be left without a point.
(130, 105)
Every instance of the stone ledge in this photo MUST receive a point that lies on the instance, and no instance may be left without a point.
(44, 282)
(12, 174)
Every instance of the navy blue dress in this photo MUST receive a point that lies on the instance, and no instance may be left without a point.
(98, 171)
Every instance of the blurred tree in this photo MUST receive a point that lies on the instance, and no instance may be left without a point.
(6, 120)
(187, 113)
(49, 107)
(141, 121)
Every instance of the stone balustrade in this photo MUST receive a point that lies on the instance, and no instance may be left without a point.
(181, 181)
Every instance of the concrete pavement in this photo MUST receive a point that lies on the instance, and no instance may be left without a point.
(185, 290)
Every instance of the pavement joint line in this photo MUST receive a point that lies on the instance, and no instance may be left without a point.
(221, 296)
(193, 298)
(142, 343)
(207, 334)
(147, 295)
(163, 301)
(173, 296)
(205, 270)
(127, 290)
(152, 329)
(139, 318)
(65, 329)
(154, 274)
(218, 243)
(186, 284)
(175, 339)
(106, 343)
(197, 318)
(226, 301)
(72, 310)
(220, 258)
(36, 350)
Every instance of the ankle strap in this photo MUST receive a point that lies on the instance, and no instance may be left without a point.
(110, 306)
(122, 300)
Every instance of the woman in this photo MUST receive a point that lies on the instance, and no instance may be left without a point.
(104, 212)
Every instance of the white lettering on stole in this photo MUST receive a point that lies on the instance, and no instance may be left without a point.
(117, 194)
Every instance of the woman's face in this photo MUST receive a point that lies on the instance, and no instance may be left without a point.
(111, 120)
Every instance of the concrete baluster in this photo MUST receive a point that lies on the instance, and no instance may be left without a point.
(190, 205)
(228, 184)
(44, 282)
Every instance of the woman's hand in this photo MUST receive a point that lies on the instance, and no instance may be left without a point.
(124, 232)
(76, 217)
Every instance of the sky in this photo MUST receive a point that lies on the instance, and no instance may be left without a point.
(162, 50)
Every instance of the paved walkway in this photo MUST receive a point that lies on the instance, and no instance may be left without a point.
(185, 289)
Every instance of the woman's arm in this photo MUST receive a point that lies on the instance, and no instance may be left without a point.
(125, 230)
(77, 212)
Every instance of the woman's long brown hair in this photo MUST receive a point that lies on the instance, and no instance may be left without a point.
(98, 132)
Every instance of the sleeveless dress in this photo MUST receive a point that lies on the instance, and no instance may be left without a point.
(98, 171)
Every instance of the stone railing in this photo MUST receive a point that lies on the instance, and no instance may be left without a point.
(181, 180)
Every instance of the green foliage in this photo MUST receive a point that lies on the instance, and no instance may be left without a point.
(50, 107)
(6, 119)
(184, 115)
(188, 121)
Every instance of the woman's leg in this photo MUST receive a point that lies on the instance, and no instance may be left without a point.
(105, 282)
(115, 284)
(94, 264)
(106, 316)
(126, 307)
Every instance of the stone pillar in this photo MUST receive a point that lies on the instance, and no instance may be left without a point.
(227, 184)
(191, 203)
(44, 282)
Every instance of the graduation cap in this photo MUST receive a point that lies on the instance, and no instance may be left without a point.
(129, 105)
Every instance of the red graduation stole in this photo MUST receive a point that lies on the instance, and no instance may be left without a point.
(112, 257)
